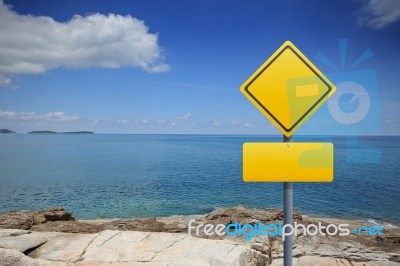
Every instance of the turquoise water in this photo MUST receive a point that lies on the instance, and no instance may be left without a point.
(99, 176)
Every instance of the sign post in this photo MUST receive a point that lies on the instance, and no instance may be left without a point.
(287, 89)
(287, 216)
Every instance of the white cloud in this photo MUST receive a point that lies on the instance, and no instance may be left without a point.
(59, 116)
(31, 116)
(35, 44)
(216, 123)
(126, 123)
(246, 124)
(122, 121)
(184, 117)
(5, 81)
(379, 13)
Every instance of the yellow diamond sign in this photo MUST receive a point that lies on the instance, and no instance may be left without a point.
(287, 88)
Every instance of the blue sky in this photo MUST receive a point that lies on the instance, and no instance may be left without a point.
(176, 66)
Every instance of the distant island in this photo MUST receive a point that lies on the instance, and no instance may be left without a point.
(53, 132)
(42, 132)
(6, 131)
(78, 132)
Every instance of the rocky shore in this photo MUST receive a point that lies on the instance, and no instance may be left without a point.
(55, 237)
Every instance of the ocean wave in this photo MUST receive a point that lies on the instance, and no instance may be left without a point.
(384, 224)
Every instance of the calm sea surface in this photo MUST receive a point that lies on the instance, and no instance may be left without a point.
(102, 176)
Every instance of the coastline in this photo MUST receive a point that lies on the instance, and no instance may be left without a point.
(387, 225)
(55, 226)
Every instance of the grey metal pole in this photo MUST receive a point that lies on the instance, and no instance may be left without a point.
(287, 216)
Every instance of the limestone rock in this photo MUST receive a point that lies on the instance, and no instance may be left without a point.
(22, 243)
(11, 257)
(145, 248)
(64, 247)
(150, 241)
(12, 232)
(129, 246)
(327, 261)
(120, 263)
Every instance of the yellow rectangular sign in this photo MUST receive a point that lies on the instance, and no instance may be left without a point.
(287, 162)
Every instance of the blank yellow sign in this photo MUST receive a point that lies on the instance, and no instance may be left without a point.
(288, 88)
(287, 162)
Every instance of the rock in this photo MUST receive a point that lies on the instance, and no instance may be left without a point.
(12, 232)
(129, 246)
(391, 236)
(191, 250)
(296, 216)
(327, 261)
(244, 215)
(26, 219)
(311, 261)
(39, 219)
(140, 248)
(120, 263)
(237, 256)
(237, 213)
(58, 214)
(218, 214)
(175, 228)
(149, 241)
(69, 227)
(16, 220)
(53, 214)
(167, 248)
(57, 219)
(13, 257)
(22, 243)
(147, 225)
(64, 247)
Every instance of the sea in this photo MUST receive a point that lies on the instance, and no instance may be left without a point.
(120, 176)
